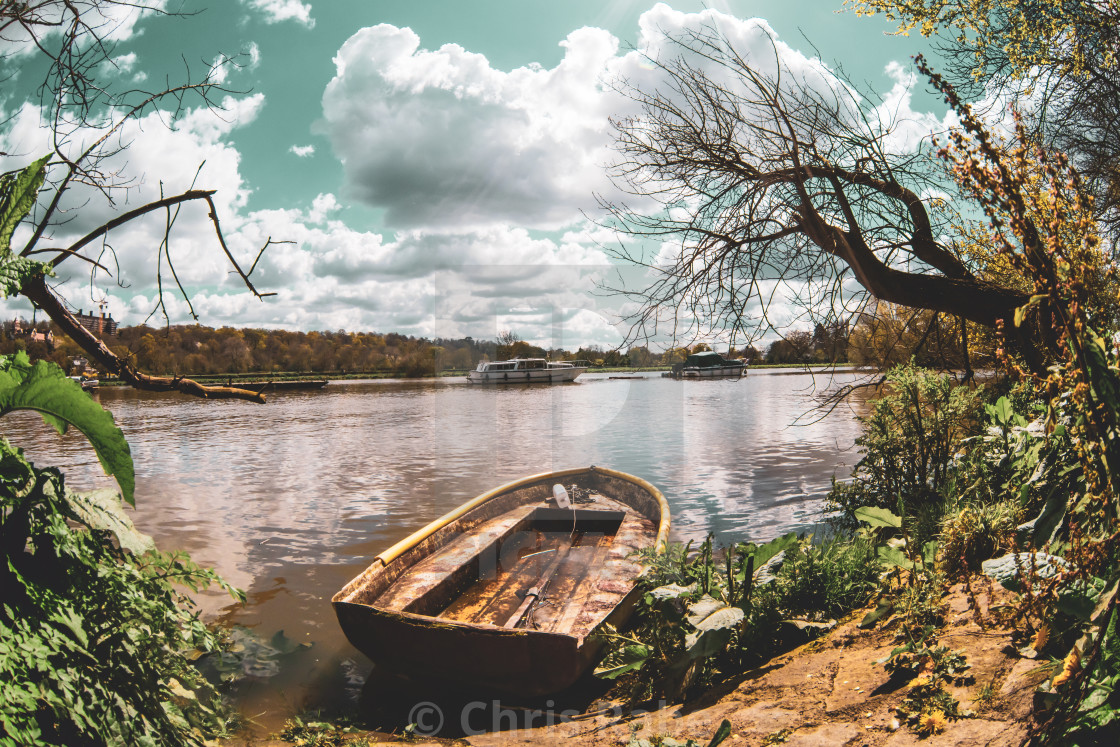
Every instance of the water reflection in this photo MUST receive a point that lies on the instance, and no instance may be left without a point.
(292, 499)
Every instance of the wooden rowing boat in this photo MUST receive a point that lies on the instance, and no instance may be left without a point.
(506, 591)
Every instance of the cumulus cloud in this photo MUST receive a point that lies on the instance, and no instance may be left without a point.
(303, 151)
(124, 62)
(111, 22)
(907, 128)
(442, 139)
(330, 275)
(276, 11)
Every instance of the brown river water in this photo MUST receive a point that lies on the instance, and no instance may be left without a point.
(291, 499)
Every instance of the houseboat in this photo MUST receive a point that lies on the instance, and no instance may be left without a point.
(708, 365)
(526, 371)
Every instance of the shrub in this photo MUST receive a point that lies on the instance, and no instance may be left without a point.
(96, 640)
(908, 444)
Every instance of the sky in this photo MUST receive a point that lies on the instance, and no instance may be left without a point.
(432, 165)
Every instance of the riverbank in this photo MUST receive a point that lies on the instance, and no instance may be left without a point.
(832, 691)
(234, 378)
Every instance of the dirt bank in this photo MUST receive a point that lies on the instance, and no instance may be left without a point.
(833, 691)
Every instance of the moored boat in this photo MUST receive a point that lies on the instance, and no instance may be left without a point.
(87, 383)
(708, 365)
(526, 371)
(506, 591)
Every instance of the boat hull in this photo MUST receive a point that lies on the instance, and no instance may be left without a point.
(513, 662)
(713, 372)
(531, 376)
(407, 638)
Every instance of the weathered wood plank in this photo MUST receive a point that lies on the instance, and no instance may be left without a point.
(579, 595)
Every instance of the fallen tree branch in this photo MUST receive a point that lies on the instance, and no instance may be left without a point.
(37, 292)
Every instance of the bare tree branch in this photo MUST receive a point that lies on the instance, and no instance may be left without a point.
(776, 186)
(37, 292)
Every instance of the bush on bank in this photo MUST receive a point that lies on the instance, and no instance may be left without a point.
(97, 640)
(953, 481)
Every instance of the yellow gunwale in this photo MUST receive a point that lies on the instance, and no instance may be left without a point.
(421, 534)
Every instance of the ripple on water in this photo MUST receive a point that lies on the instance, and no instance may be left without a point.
(292, 499)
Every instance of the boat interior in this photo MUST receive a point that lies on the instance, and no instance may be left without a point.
(533, 567)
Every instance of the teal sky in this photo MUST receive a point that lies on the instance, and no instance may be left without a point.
(297, 60)
(429, 189)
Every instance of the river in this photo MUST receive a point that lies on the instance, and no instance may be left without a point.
(291, 499)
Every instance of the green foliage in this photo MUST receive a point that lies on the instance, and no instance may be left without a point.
(17, 196)
(311, 733)
(911, 602)
(45, 388)
(908, 442)
(975, 532)
(96, 640)
(703, 615)
(722, 733)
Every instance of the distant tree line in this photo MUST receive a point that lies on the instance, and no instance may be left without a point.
(880, 338)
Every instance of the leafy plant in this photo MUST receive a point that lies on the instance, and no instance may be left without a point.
(96, 639)
(722, 733)
(703, 614)
(908, 443)
(18, 191)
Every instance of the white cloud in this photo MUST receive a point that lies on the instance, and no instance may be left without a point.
(253, 52)
(907, 128)
(124, 62)
(442, 139)
(332, 276)
(276, 11)
(111, 22)
(303, 151)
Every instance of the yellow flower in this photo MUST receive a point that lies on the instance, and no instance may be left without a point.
(1039, 641)
(933, 723)
(1070, 667)
(919, 682)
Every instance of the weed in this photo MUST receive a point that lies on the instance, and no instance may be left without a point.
(987, 697)
(310, 733)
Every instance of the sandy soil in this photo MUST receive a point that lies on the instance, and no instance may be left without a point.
(833, 691)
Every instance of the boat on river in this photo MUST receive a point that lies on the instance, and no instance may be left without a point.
(526, 371)
(708, 365)
(507, 591)
(87, 383)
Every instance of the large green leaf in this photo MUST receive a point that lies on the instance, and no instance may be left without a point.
(101, 509)
(883, 609)
(672, 591)
(714, 622)
(1001, 411)
(629, 659)
(1005, 570)
(877, 517)
(1079, 599)
(43, 387)
(722, 733)
(766, 552)
(15, 271)
(17, 196)
(892, 556)
(1043, 528)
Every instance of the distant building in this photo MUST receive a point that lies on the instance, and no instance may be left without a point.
(32, 334)
(98, 325)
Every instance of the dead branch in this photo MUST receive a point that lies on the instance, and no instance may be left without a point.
(37, 292)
